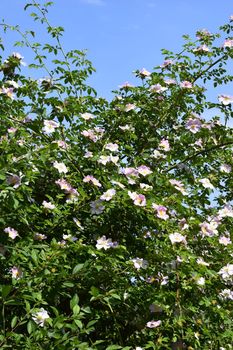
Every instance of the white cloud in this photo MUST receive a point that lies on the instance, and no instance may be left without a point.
(94, 2)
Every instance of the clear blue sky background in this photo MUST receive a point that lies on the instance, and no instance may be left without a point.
(122, 35)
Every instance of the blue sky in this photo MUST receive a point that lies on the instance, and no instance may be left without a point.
(122, 35)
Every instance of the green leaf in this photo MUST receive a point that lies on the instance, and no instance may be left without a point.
(76, 309)
(14, 321)
(77, 268)
(6, 289)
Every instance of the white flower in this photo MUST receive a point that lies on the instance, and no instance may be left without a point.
(227, 272)
(224, 240)
(16, 272)
(140, 263)
(40, 317)
(130, 107)
(112, 147)
(158, 88)
(227, 211)
(50, 126)
(153, 324)
(60, 167)
(103, 243)
(87, 116)
(11, 232)
(200, 281)
(225, 99)
(206, 183)
(226, 294)
(144, 170)
(107, 196)
(200, 261)
(48, 205)
(177, 238)
(225, 168)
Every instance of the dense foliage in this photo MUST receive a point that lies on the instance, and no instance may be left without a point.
(116, 217)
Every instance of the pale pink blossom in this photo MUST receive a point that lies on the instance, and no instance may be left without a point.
(16, 272)
(193, 125)
(108, 195)
(9, 92)
(228, 43)
(144, 170)
(227, 211)
(209, 229)
(226, 272)
(179, 186)
(164, 145)
(224, 240)
(157, 88)
(112, 147)
(90, 178)
(186, 84)
(153, 324)
(225, 99)
(39, 237)
(126, 85)
(48, 205)
(130, 172)
(166, 63)
(170, 81)
(12, 130)
(138, 199)
(130, 107)
(12, 233)
(177, 238)
(226, 294)
(161, 211)
(144, 73)
(225, 168)
(87, 116)
(50, 126)
(145, 187)
(64, 185)
(157, 154)
(88, 154)
(202, 48)
(90, 135)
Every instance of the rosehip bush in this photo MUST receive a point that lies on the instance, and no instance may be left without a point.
(116, 217)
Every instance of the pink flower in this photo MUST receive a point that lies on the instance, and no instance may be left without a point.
(60, 167)
(164, 145)
(209, 229)
(202, 48)
(194, 125)
(224, 240)
(130, 107)
(153, 324)
(228, 43)
(206, 183)
(16, 272)
(144, 73)
(227, 211)
(225, 168)
(90, 178)
(130, 172)
(87, 116)
(161, 211)
(170, 81)
(186, 84)
(225, 99)
(179, 186)
(166, 63)
(177, 238)
(50, 126)
(64, 185)
(112, 147)
(138, 199)
(157, 88)
(144, 170)
(126, 85)
(9, 92)
(12, 233)
(108, 195)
